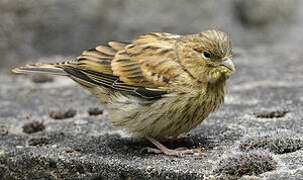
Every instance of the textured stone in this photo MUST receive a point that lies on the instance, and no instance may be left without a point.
(32, 29)
(279, 142)
(96, 149)
(269, 78)
(237, 164)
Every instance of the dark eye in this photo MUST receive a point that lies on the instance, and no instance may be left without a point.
(206, 54)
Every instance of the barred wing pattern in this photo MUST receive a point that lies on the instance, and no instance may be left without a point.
(146, 67)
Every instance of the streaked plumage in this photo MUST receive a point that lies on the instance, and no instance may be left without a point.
(160, 85)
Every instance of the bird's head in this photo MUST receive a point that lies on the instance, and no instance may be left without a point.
(206, 56)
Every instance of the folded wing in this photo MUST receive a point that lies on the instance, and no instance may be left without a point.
(145, 68)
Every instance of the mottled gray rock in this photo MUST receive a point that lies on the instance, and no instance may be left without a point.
(262, 113)
(31, 29)
(261, 13)
(84, 146)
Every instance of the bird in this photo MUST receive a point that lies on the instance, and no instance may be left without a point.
(158, 86)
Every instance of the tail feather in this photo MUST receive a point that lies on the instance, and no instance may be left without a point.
(40, 68)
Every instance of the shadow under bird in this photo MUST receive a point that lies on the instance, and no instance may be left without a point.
(158, 86)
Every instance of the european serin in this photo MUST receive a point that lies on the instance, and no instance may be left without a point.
(158, 86)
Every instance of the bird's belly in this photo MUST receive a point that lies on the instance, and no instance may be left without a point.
(179, 121)
(162, 118)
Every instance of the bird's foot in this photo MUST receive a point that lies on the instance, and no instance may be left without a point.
(170, 152)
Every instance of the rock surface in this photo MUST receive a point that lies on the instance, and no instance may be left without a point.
(256, 134)
(32, 29)
(236, 141)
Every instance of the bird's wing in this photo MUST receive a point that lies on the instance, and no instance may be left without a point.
(145, 67)
(148, 62)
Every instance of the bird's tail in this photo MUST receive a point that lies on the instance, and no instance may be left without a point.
(45, 68)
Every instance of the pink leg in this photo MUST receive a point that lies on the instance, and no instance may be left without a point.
(165, 150)
(175, 139)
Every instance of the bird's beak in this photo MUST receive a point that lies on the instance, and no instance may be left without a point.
(229, 65)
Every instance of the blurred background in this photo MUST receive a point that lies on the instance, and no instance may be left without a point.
(31, 29)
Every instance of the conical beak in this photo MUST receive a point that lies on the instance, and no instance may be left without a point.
(227, 63)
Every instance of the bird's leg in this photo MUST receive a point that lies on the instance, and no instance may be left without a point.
(165, 150)
(175, 139)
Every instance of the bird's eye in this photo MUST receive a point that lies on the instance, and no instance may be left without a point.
(206, 54)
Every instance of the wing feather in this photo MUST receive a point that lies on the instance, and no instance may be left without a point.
(146, 65)
(144, 68)
(149, 61)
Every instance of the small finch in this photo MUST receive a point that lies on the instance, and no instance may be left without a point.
(158, 86)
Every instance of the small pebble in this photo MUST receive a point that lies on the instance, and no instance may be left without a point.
(42, 78)
(272, 113)
(3, 131)
(95, 111)
(33, 127)
(52, 163)
(39, 141)
(56, 114)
